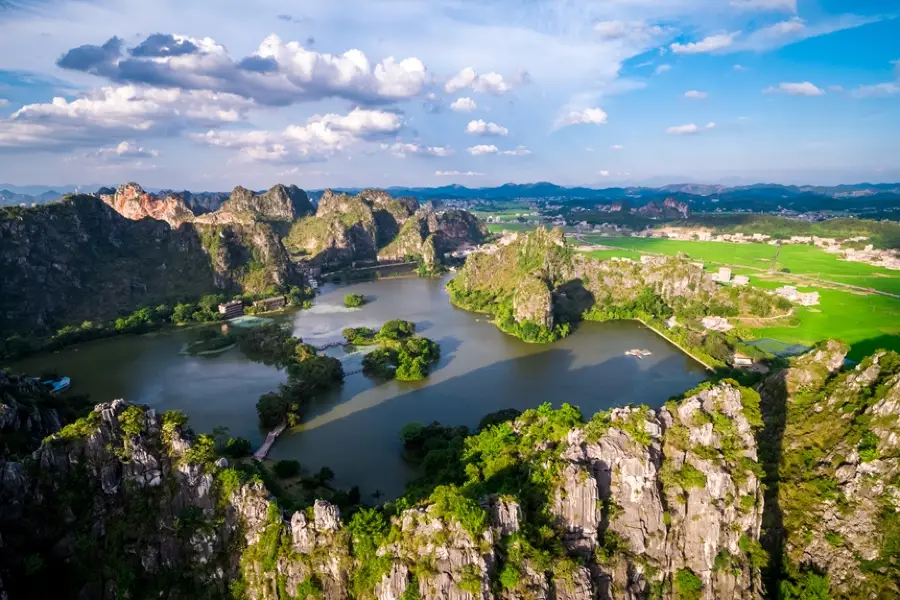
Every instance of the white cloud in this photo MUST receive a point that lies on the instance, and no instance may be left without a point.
(589, 149)
(774, 5)
(482, 149)
(110, 113)
(404, 149)
(517, 151)
(490, 83)
(457, 173)
(320, 138)
(879, 90)
(603, 173)
(617, 147)
(739, 68)
(587, 116)
(277, 73)
(463, 105)
(896, 64)
(484, 128)
(695, 95)
(795, 89)
(836, 88)
(4, 102)
(632, 31)
(126, 149)
(708, 44)
(689, 129)
(662, 69)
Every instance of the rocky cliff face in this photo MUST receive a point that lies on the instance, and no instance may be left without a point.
(634, 504)
(132, 202)
(450, 230)
(838, 478)
(373, 225)
(78, 259)
(282, 203)
(28, 414)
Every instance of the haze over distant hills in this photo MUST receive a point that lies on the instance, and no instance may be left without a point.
(11, 195)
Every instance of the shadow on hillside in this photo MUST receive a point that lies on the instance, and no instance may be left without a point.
(868, 347)
(773, 393)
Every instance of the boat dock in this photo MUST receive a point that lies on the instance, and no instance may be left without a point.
(270, 440)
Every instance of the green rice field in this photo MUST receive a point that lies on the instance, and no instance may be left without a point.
(865, 321)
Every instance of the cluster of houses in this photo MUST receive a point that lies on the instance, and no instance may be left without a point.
(789, 292)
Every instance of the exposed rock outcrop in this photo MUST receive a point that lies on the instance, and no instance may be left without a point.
(132, 202)
(373, 225)
(282, 203)
(838, 478)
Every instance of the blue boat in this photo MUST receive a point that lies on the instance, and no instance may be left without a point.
(59, 385)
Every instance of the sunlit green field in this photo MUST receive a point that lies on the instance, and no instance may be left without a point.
(797, 259)
(865, 321)
(501, 227)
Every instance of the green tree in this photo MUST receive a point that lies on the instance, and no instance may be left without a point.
(354, 300)
(286, 468)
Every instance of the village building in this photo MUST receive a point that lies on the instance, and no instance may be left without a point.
(232, 309)
(741, 360)
(273, 303)
(716, 324)
(740, 280)
(723, 276)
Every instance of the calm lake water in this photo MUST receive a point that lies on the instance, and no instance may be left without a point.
(353, 430)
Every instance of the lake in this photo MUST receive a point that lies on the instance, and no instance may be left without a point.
(353, 429)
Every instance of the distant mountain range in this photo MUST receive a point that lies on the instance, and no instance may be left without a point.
(761, 196)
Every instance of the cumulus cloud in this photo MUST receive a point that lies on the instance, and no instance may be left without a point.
(404, 149)
(795, 89)
(879, 90)
(773, 5)
(695, 95)
(463, 105)
(489, 83)
(125, 111)
(126, 150)
(739, 68)
(689, 129)
(662, 69)
(320, 138)
(603, 173)
(482, 149)
(278, 73)
(517, 151)
(483, 128)
(708, 44)
(617, 147)
(587, 116)
(457, 173)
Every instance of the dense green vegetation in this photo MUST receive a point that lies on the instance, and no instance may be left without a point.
(309, 373)
(143, 320)
(354, 300)
(402, 355)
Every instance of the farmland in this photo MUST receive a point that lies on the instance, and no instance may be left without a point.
(866, 321)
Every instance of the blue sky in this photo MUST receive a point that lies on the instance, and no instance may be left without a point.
(208, 95)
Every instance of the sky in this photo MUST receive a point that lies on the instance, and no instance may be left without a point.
(206, 95)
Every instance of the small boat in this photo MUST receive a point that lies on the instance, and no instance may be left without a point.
(59, 385)
(638, 353)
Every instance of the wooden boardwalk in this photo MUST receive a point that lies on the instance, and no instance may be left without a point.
(270, 440)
